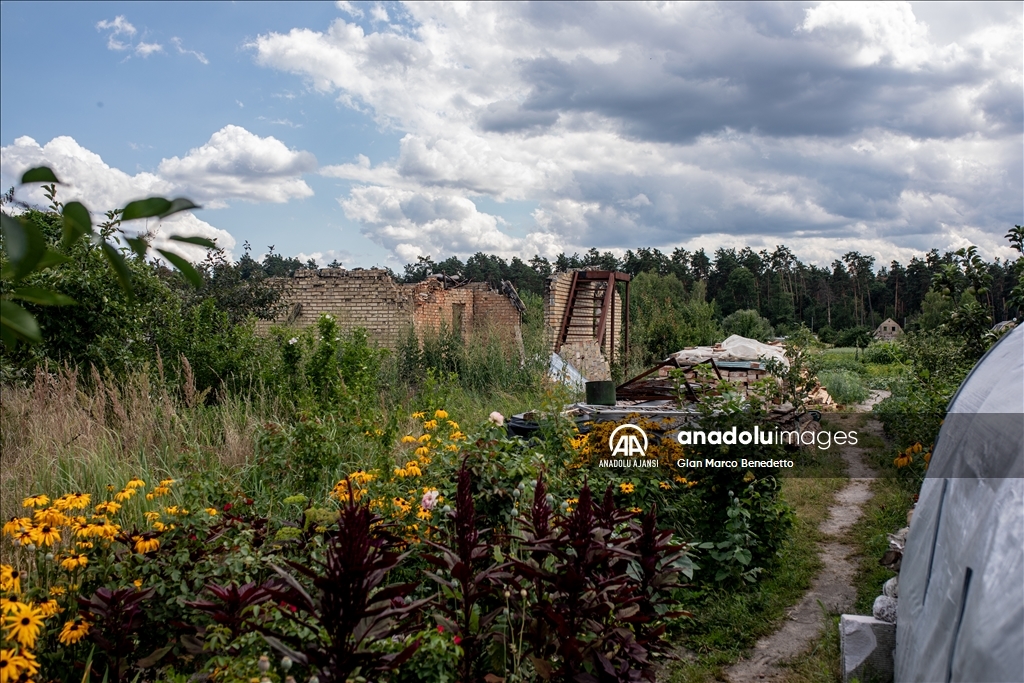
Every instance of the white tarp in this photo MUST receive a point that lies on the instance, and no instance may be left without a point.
(961, 588)
(562, 371)
(735, 348)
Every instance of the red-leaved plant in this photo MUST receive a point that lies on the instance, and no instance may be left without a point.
(349, 607)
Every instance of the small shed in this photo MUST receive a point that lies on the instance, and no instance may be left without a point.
(888, 330)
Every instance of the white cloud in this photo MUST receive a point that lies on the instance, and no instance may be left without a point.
(118, 27)
(145, 49)
(628, 124)
(349, 9)
(236, 164)
(87, 178)
(195, 53)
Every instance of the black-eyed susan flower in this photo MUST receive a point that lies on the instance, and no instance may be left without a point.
(36, 501)
(146, 545)
(419, 415)
(135, 484)
(73, 631)
(108, 507)
(425, 438)
(11, 665)
(430, 424)
(49, 608)
(51, 516)
(9, 605)
(441, 414)
(664, 485)
(45, 535)
(211, 511)
(73, 501)
(10, 579)
(627, 487)
(124, 495)
(16, 524)
(57, 591)
(24, 624)
(408, 438)
(73, 562)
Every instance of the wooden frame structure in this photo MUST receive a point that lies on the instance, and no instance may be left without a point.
(606, 320)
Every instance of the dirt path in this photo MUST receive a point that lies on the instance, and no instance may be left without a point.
(832, 587)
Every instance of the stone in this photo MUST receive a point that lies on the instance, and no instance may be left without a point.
(884, 609)
(866, 648)
(891, 588)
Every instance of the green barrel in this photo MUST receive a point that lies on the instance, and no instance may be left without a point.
(601, 393)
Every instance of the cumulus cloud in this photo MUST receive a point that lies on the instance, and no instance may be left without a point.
(117, 28)
(234, 164)
(632, 124)
(237, 164)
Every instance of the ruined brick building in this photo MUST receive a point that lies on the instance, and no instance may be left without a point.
(388, 310)
(586, 319)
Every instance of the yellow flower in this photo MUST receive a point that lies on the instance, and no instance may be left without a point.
(691, 484)
(422, 450)
(44, 535)
(135, 484)
(635, 509)
(73, 631)
(424, 514)
(160, 526)
(167, 482)
(665, 486)
(418, 416)
(211, 511)
(627, 487)
(361, 478)
(57, 591)
(24, 537)
(74, 562)
(917, 448)
(453, 424)
(458, 436)
(151, 516)
(402, 505)
(49, 608)
(425, 438)
(124, 495)
(680, 480)
(73, 501)
(409, 438)
(108, 508)
(11, 665)
(928, 457)
(17, 524)
(51, 516)
(9, 605)
(36, 501)
(440, 414)
(143, 545)
(903, 460)
(451, 447)
(175, 510)
(10, 579)
(137, 583)
(430, 424)
(23, 626)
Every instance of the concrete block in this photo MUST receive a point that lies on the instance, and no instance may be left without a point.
(866, 649)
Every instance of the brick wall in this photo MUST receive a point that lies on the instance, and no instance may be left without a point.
(373, 300)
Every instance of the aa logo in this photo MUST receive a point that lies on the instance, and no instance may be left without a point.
(625, 441)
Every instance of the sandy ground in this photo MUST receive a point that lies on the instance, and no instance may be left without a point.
(831, 589)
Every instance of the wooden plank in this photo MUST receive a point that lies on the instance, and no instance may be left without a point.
(609, 290)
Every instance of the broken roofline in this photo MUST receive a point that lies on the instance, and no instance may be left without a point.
(374, 300)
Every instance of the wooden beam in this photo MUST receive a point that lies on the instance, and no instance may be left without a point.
(608, 297)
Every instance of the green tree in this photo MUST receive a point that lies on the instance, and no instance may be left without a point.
(747, 323)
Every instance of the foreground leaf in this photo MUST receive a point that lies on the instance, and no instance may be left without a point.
(40, 174)
(17, 323)
(158, 207)
(200, 241)
(41, 296)
(77, 222)
(186, 268)
(25, 246)
(117, 262)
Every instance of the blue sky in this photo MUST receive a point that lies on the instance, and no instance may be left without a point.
(376, 132)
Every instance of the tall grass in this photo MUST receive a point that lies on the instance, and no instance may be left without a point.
(66, 432)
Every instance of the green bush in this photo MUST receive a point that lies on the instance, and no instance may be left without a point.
(844, 386)
(750, 324)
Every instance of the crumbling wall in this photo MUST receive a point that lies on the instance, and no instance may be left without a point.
(371, 299)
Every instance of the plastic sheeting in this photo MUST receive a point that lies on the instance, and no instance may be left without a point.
(961, 604)
(734, 348)
(562, 371)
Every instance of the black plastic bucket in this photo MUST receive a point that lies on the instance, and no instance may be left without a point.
(601, 393)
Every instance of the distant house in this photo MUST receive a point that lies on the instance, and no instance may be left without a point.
(888, 330)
